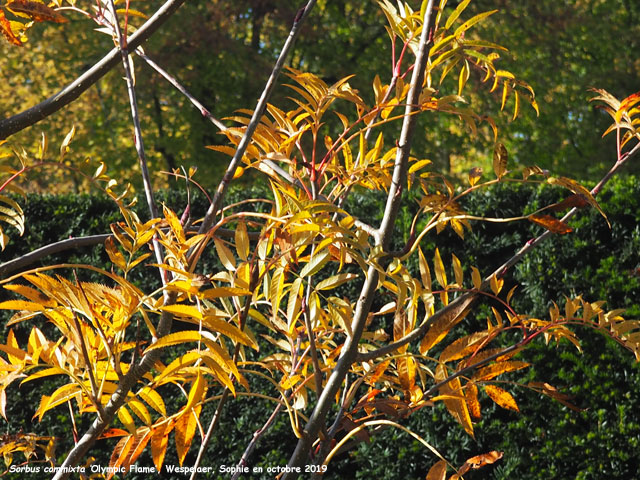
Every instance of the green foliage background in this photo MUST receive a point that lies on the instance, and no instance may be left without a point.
(547, 440)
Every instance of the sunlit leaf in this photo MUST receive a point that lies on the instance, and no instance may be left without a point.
(224, 254)
(37, 11)
(491, 371)
(501, 397)
(5, 28)
(551, 223)
(316, 263)
(500, 159)
(438, 471)
(441, 275)
(185, 429)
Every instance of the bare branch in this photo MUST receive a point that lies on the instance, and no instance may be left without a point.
(178, 86)
(61, 246)
(137, 136)
(33, 115)
(255, 118)
(350, 349)
(500, 271)
(117, 400)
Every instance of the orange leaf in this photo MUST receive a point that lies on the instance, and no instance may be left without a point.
(454, 400)
(471, 396)
(501, 397)
(159, 441)
(480, 461)
(185, 431)
(576, 200)
(5, 28)
(551, 223)
(406, 372)
(39, 12)
(441, 326)
(492, 371)
(120, 453)
(438, 471)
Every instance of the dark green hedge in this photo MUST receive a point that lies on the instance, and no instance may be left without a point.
(546, 440)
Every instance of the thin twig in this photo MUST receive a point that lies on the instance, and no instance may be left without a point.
(255, 118)
(500, 271)
(68, 94)
(350, 348)
(137, 135)
(173, 81)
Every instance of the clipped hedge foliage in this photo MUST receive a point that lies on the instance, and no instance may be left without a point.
(546, 441)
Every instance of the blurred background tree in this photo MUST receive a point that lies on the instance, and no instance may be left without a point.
(561, 48)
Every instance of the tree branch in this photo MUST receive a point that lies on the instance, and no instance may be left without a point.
(116, 401)
(466, 298)
(363, 307)
(255, 118)
(33, 115)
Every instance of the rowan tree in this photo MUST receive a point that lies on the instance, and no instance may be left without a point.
(342, 362)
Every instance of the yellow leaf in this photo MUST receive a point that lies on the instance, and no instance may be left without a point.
(335, 281)
(64, 148)
(197, 392)
(500, 159)
(176, 339)
(220, 374)
(63, 394)
(457, 270)
(474, 175)
(174, 223)
(153, 399)
(127, 420)
(496, 284)
(425, 274)
(139, 409)
(114, 254)
(452, 18)
(21, 305)
(242, 240)
(476, 278)
(441, 275)
(229, 330)
(44, 373)
(316, 263)
(501, 397)
(219, 292)
(183, 311)
(225, 255)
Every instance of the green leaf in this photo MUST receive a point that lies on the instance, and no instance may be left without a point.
(456, 13)
(472, 21)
